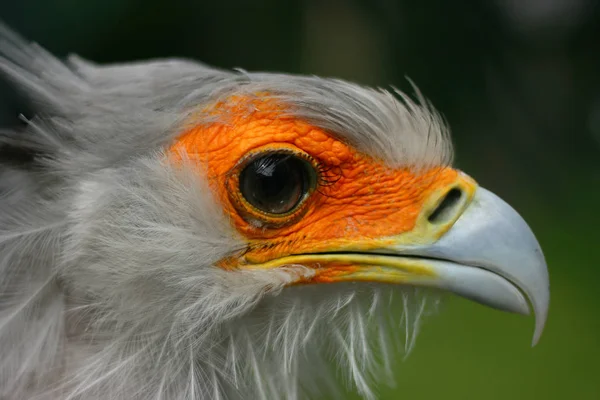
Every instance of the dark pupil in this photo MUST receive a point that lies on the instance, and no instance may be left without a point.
(275, 183)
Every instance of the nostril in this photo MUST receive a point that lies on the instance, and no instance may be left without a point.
(445, 210)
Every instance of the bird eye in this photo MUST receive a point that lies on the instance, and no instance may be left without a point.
(277, 183)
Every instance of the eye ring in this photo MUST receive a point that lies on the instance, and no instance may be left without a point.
(272, 185)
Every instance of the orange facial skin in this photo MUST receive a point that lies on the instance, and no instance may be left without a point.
(359, 201)
(334, 272)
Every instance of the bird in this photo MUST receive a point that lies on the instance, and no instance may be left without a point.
(179, 231)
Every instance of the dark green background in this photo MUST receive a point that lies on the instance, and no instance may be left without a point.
(519, 83)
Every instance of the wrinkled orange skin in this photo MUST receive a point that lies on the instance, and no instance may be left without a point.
(362, 198)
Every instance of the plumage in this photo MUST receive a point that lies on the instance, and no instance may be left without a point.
(109, 284)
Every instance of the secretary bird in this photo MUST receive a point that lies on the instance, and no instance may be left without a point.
(170, 230)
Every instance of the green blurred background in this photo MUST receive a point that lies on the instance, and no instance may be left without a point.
(519, 83)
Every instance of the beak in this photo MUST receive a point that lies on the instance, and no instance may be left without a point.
(482, 250)
(491, 256)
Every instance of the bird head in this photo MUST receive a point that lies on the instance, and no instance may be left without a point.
(188, 232)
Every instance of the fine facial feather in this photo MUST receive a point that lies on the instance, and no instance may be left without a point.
(108, 287)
